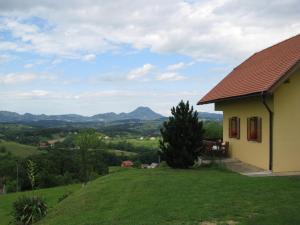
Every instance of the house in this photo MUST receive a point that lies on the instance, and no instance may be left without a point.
(127, 164)
(144, 166)
(43, 144)
(260, 100)
(151, 166)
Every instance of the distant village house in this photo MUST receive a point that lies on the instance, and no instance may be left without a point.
(127, 164)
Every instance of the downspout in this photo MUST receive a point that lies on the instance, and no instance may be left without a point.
(263, 95)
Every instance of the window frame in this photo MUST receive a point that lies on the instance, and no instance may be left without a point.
(254, 129)
(236, 134)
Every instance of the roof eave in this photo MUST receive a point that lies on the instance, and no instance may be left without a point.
(270, 90)
(283, 78)
(201, 102)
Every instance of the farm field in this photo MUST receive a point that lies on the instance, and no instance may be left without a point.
(18, 149)
(144, 142)
(166, 196)
(121, 153)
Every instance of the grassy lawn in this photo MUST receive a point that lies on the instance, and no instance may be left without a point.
(137, 142)
(146, 142)
(18, 149)
(51, 195)
(166, 196)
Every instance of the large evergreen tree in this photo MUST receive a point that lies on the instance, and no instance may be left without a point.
(182, 136)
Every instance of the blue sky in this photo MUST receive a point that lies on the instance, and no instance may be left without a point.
(101, 56)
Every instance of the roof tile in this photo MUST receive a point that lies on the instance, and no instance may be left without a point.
(258, 73)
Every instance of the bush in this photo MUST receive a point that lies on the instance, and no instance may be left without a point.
(28, 210)
(2, 149)
(182, 137)
(11, 186)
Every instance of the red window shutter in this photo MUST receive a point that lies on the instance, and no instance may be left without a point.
(229, 131)
(259, 129)
(238, 128)
(248, 129)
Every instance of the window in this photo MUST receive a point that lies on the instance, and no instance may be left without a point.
(254, 129)
(234, 127)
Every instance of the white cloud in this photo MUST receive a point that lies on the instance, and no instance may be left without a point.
(140, 72)
(33, 93)
(89, 57)
(176, 66)
(28, 66)
(6, 58)
(203, 30)
(52, 101)
(170, 76)
(15, 78)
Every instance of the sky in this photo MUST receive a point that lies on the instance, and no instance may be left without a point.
(95, 56)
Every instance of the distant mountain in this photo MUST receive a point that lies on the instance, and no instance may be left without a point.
(210, 116)
(141, 113)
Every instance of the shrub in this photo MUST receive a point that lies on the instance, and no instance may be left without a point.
(2, 149)
(11, 186)
(182, 136)
(28, 210)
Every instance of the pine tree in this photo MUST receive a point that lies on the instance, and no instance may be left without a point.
(182, 137)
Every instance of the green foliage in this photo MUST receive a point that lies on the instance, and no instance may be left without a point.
(182, 136)
(2, 149)
(51, 196)
(28, 210)
(11, 186)
(86, 140)
(31, 172)
(213, 129)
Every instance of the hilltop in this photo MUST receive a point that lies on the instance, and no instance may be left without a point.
(140, 113)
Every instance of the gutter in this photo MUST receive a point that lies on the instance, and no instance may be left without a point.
(271, 114)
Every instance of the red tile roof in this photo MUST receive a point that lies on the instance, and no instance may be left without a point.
(259, 73)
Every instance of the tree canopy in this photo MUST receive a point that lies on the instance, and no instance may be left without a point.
(182, 137)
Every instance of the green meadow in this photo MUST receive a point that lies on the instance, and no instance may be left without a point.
(167, 196)
(18, 149)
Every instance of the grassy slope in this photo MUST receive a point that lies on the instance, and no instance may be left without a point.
(18, 149)
(51, 195)
(120, 152)
(165, 196)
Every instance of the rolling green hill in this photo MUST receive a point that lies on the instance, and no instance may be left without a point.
(18, 149)
(165, 196)
(51, 196)
(173, 197)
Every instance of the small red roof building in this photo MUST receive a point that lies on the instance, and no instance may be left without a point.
(127, 164)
